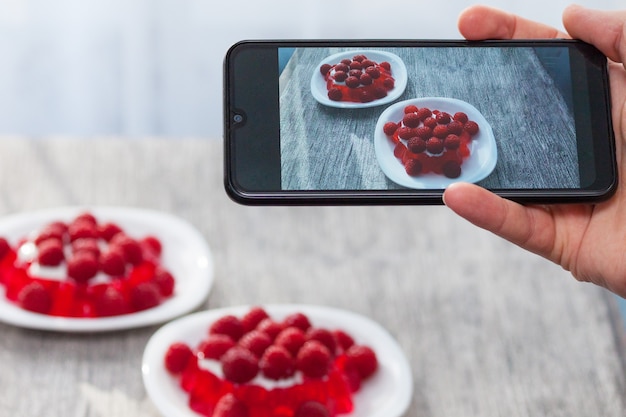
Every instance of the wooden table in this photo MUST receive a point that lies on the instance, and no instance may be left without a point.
(489, 330)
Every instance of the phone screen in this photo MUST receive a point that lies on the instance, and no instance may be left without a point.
(410, 120)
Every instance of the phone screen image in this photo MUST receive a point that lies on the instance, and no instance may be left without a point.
(405, 119)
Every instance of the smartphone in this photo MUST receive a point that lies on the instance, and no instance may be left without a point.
(396, 122)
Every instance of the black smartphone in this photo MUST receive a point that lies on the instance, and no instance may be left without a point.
(396, 122)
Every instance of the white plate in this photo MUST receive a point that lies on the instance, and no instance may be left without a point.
(483, 150)
(185, 253)
(386, 394)
(398, 72)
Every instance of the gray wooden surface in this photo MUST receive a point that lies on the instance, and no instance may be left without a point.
(329, 148)
(489, 330)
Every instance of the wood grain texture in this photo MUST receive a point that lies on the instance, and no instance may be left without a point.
(489, 330)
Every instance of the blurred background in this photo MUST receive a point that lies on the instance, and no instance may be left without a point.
(138, 68)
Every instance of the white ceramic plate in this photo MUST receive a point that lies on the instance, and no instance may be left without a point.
(398, 72)
(185, 253)
(386, 394)
(483, 150)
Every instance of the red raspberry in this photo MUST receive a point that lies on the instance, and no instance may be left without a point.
(50, 252)
(277, 363)
(130, 247)
(366, 79)
(291, 339)
(229, 406)
(366, 96)
(35, 297)
(177, 357)
(256, 342)
(335, 94)
(455, 128)
(312, 409)
(440, 131)
(252, 318)
(54, 230)
(416, 145)
(313, 359)
(355, 65)
(413, 167)
(82, 229)
(340, 76)
(471, 127)
(373, 72)
(405, 133)
(343, 67)
(443, 118)
(239, 365)
(452, 142)
(112, 262)
(424, 132)
(229, 325)
(434, 145)
(5, 248)
(460, 117)
(153, 244)
(430, 122)
(299, 320)
(385, 65)
(452, 169)
(411, 108)
(411, 120)
(86, 216)
(367, 63)
(359, 58)
(87, 244)
(344, 340)
(353, 82)
(144, 295)
(400, 150)
(379, 92)
(424, 113)
(325, 337)
(215, 346)
(362, 359)
(390, 128)
(106, 231)
(270, 327)
(389, 83)
(82, 266)
(111, 303)
(324, 68)
(164, 280)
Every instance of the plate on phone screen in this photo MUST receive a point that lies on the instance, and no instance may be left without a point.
(476, 167)
(398, 72)
(185, 254)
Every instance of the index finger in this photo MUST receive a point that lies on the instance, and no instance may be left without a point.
(484, 22)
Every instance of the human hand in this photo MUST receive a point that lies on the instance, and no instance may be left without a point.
(587, 240)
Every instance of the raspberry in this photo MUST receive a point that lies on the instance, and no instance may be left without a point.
(344, 340)
(239, 365)
(411, 108)
(471, 127)
(177, 357)
(411, 120)
(153, 244)
(325, 337)
(252, 318)
(379, 92)
(335, 94)
(313, 359)
(256, 342)
(416, 145)
(385, 65)
(424, 132)
(355, 65)
(82, 266)
(367, 63)
(312, 409)
(111, 303)
(50, 252)
(373, 72)
(443, 118)
(277, 363)
(340, 76)
(430, 122)
(87, 244)
(452, 142)
(112, 262)
(82, 229)
(440, 131)
(215, 346)
(424, 113)
(400, 150)
(413, 167)
(299, 320)
(228, 325)
(359, 58)
(270, 327)
(451, 169)
(106, 231)
(362, 359)
(4, 247)
(460, 117)
(352, 82)
(434, 145)
(130, 247)
(405, 133)
(87, 217)
(164, 281)
(366, 79)
(390, 128)
(291, 339)
(324, 68)
(455, 128)
(229, 406)
(343, 67)
(366, 96)
(389, 83)
(144, 296)
(55, 230)
(35, 297)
